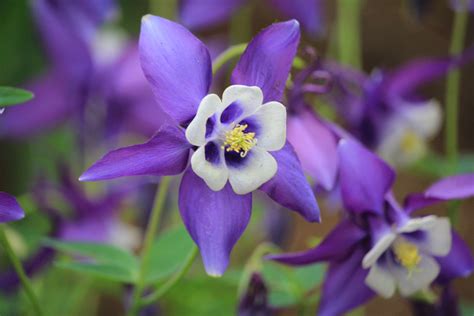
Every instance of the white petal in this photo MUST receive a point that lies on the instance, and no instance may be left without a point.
(271, 120)
(249, 99)
(378, 249)
(419, 279)
(381, 281)
(425, 118)
(415, 224)
(214, 174)
(438, 237)
(196, 131)
(258, 168)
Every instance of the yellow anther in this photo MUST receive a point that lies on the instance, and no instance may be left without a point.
(239, 141)
(407, 254)
(411, 142)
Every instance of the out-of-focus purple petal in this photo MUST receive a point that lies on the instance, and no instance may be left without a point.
(310, 13)
(214, 219)
(10, 210)
(417, 201)
(336, 246)
(459, 5)
(53, 103)
(454, 187)
(267, 61)
(255, 299)
(364, 178)
(176, 64)
(166, 153)
(344, 287)
(201, 14)
(316, 147)
(289, 186)
(459, 263)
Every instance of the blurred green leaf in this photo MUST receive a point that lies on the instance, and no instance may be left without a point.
(438, 166)
(467, 309)
(107, 271)
(11, 96)
(168, 253)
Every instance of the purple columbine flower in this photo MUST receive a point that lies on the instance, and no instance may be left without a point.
(10, 210)
(201, 14)
(239, 141)
(379, 249)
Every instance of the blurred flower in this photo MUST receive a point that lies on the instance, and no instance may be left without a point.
(201, 14)
(254, 301)
(10, 210)
(178, 66)
(459, 5)
(379, 248)
(384, 110)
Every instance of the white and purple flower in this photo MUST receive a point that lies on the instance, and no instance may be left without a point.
(238, 142)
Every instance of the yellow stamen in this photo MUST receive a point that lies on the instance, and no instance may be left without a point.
(239, 141)
(411, 142)
(407, 254)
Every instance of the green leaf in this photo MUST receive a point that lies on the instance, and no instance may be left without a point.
(107, 271)
(11, 96)
(109, 261)
(168, 253)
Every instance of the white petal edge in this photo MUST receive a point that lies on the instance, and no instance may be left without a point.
(425, 118)
(419, 279)
(215, 175)
(259, 167)
(415, 224)
(250, 99)
(438, 238)
(271, 118)
(378, 249)
(196, 131)
(381, 281)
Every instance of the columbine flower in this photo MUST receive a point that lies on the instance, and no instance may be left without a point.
(236, 138)
(379, 248)
(200, 14)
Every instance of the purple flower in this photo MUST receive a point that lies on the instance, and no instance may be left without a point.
(255, 299)
(238, 141)
(459, 5)
(10, 210)
(201, 14)
(379, 248)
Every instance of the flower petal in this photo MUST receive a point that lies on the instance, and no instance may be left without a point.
(215, 220)
(257, 168)
(381, 281)
(336, 246)
(289, 186)
(271, 120)
(199, 14)
(267, 61)
(458, 263)
(344, 287)
(378, 249)
(316, 147)
(240, 101)
(10, 210)
(212, 170)
(450, 188)
(166, 153)
(364, 177)
(176, 64)
(196, 130)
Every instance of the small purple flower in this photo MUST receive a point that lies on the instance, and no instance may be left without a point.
(238, 141)
(379, 248)
(10, 210)
(200, 14)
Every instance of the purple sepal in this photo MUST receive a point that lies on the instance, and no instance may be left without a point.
(10, 210)
(450, 188)
(458, 263)
(201, 14)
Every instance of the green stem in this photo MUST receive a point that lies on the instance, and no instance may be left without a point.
(20, 272)
(348, 32)
(149, 237)
(452, 100)
(153, 297)
(227, 55)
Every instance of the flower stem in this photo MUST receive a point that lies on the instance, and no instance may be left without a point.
(227, 55)
(147, 243)
(153, 297)
(348, 32)
(20, 272)
(452, 99)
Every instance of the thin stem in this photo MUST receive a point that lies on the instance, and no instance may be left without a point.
(20, 272)
(348, 32)
(153, 297)
(149, 237)
(452, 100)
(227, 55)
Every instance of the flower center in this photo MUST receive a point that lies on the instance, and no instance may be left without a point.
(410, 142)
(407, 254)
(239, 141)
